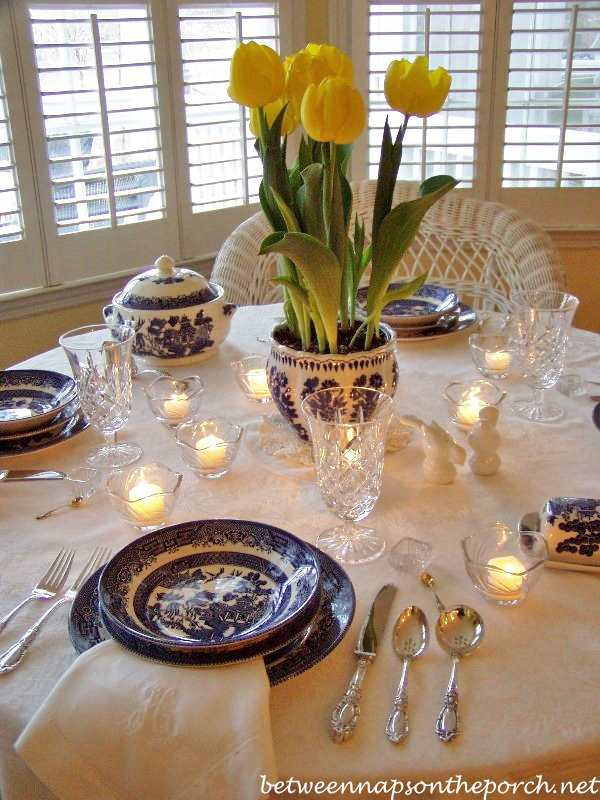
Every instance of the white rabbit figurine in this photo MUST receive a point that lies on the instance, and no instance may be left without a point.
(484, 440)
(441, 451)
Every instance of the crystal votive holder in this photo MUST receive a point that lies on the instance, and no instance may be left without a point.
(251, 374)
(492, 354)
(465, 400)
(145, 495)
(209, 448)
(504, 565)
(174, 400)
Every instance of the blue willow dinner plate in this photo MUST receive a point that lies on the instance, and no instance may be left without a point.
(29, 398)
(211, 585)
(38, 441)
(423, 307)
(322, 635)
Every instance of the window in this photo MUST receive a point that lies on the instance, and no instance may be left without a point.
(137, 149)
(522, 121)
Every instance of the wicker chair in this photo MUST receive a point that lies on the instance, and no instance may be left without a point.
(481, 249)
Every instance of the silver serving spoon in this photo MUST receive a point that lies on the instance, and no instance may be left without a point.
(459, 631)
(410, 638)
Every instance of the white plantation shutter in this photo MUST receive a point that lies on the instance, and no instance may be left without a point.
(522, 121)
(552, 136)
(98, 91)
(11, 220)
(128, 145)
(224, 167)
(449, 34)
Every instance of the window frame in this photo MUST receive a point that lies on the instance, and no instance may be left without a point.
(348, 24)
(69, 269)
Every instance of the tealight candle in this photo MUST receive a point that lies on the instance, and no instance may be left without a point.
(177, 408)
(468, 410)
(257, 384)
(211, 451)
(510, 579)
(497, 361)
(149, 502)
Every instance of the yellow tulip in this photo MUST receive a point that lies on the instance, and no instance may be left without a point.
(312, 65)
(271, 110)
(333, 111)
(414, 89)
(257, 76)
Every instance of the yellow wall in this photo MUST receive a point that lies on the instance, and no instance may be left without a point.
(25, 337)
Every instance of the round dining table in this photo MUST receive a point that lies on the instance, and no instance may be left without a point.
(529, 695)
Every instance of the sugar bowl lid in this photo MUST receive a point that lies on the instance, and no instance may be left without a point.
(165, 286)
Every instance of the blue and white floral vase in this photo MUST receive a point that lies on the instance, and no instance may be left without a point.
(293, 374)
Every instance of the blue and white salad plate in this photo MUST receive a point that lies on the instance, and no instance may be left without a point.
(211, 585)
(30, 398)
(422, 308)
(22, 445)
(319, 637)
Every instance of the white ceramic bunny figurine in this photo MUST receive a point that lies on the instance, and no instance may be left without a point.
(441, 451)
(484, 440)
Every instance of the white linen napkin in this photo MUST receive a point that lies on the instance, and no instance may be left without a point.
(119, 727)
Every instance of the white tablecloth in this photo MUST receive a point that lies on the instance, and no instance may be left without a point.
(530, 696)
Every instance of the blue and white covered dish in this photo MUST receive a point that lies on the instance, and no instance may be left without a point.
(179, 317)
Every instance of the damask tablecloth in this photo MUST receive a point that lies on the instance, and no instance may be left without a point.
(530, 696)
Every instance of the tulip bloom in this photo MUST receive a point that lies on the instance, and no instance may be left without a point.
(271, 111)
(257, 76)
(333, 111)
(414, 89)
(312, 65)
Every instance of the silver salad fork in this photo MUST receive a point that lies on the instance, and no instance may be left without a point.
(48, 585)
(12, 657)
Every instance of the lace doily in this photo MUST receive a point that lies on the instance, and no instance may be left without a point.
(276, 437)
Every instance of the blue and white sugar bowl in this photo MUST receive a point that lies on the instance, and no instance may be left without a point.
(179, 317)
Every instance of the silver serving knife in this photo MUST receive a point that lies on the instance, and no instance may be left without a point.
(31, 475)
(347, 712)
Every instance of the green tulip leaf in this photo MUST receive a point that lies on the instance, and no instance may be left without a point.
(320, 270)
(396, 232)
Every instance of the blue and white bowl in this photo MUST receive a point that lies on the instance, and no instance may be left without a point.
(32, 398)
(423, 308)
(179, 317)
(212, 586)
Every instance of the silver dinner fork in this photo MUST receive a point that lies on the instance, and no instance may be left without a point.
(12, 657)
(48, 585)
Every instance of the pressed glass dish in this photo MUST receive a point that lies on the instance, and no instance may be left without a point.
(504, 565)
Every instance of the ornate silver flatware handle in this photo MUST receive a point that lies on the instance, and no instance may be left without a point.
(7, 617)
(448, 722)
(396, 728)
(347, 712)
(12, 657)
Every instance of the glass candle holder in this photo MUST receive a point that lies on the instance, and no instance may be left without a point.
(209, 448)
(465, 400)
(174, 400)
(492, 354)
(504, 565)
(144, 496)
(251, 374)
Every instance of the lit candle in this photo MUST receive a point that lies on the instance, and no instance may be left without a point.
(177, 408)
(148, 502)
(508, 580)
(468, 410)
(497, 361)
(212, 452)
(257, 384)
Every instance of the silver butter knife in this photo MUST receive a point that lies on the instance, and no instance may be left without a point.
(347, 712)
(31, 475)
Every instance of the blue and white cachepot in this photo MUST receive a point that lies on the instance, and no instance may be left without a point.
(179, 317)
(294, 374)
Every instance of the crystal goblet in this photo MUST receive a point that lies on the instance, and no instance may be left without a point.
(348, 427)
(100, 357)
(542, 320)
